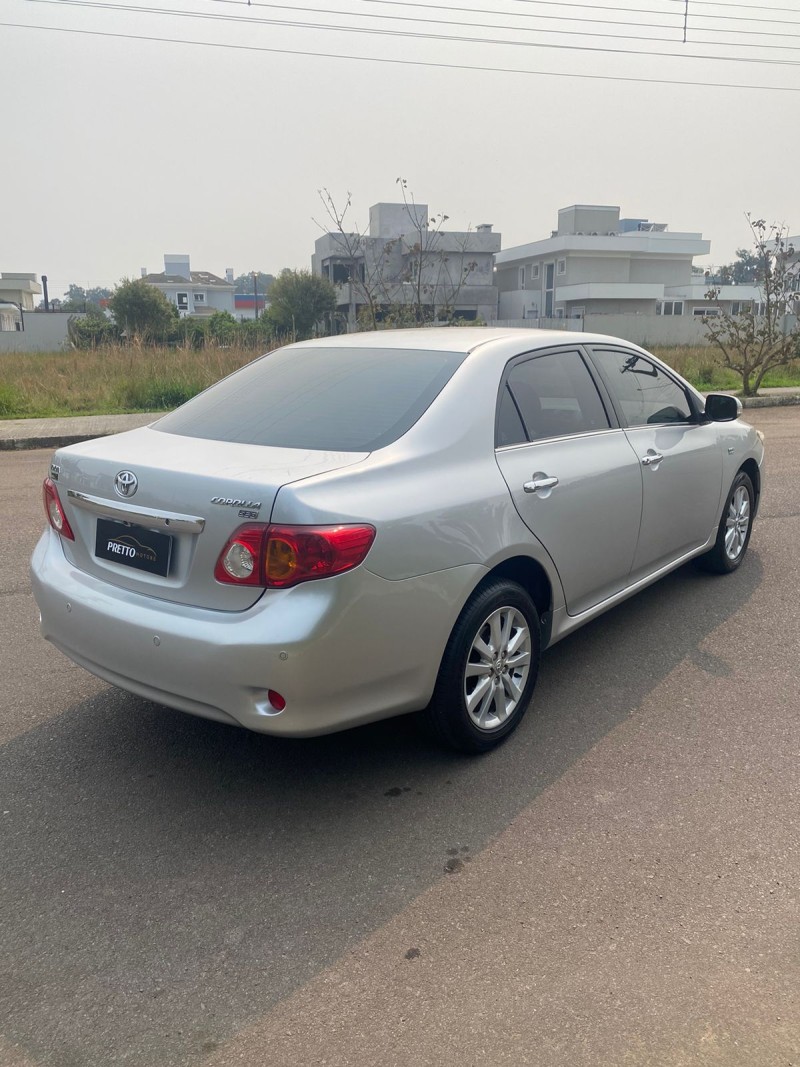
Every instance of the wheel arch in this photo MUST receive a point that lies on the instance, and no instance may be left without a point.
(533, 578)
(752, 469)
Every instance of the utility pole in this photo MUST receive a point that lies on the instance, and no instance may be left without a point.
(255, 292)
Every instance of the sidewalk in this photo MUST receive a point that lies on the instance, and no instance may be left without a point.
(54, 433)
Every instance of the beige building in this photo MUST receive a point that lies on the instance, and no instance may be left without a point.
(17, 292)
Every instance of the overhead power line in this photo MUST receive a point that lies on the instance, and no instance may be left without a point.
(647, 11)
(675, 26)
(616, 9)
(405, 62)
(411, 34)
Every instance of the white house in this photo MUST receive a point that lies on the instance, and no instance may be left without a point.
(597, 263)
(16, 297)
(401, 258)
(193, 292)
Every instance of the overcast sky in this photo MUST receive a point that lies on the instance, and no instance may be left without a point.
(117, 150)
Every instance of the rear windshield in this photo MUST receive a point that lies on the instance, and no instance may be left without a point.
(329, 399)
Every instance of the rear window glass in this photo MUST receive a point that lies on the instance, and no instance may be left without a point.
(328, 399)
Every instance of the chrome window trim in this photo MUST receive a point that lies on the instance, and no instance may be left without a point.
(560, 437)
(148, 517)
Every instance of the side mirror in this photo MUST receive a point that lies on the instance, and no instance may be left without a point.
(722, 408)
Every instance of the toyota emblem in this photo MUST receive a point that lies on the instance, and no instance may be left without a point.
(126, 483)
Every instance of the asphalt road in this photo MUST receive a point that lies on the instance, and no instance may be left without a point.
(617, 885)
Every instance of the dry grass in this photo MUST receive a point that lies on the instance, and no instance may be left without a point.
(117, 379)
(110, 379)
(699, 364)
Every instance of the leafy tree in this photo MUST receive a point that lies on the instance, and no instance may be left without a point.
(141, 310)
(299, 300)
(762, 338)
(244, 282)
(91, 330)
(80, 299)
(221, 327)
(255, 333)
(190, 330)
(743, 271)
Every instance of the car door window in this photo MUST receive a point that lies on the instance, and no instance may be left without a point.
(646, 395)
(556, 395)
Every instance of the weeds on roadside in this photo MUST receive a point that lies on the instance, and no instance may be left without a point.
(113, 379)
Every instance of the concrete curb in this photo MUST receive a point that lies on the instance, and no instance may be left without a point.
(787, 400)
(22, 434)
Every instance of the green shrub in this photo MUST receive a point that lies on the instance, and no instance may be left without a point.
(156, 394)
(12, 404)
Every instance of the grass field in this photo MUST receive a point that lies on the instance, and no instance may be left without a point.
(118, 379)
(109, 380)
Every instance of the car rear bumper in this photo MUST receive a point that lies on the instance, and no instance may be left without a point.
(341, 651)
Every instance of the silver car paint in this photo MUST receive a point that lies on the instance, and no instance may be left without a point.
(367, 644)
(180, 474)
(342, 651)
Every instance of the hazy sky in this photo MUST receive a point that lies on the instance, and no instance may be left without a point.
(115, 151)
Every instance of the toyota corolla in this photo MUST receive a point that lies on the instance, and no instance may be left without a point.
(362, 526)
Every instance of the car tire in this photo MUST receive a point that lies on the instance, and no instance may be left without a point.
(735, 527)
(489, 668)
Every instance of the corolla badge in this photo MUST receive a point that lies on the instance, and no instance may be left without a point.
(126, 483)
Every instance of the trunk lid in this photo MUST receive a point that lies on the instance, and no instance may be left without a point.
(191, 491)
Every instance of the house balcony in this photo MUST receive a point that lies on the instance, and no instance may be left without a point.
(609, 291)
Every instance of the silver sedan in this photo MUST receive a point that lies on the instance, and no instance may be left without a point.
(357, 527)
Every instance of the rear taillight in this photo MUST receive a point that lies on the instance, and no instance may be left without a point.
(54, 511)
(281, 556)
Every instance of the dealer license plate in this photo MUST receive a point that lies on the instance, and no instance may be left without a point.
(133, 546)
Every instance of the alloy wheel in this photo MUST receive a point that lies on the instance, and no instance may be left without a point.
(497, 668)
(737, 523)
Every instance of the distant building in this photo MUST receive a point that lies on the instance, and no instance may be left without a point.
(193, 292)
(246, 305)
(455, 268)
(597, 263)
(16, 297)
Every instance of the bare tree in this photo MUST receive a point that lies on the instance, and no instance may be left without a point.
(405, 280)
(762, 337)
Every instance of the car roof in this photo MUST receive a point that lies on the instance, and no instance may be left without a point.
(464, 339)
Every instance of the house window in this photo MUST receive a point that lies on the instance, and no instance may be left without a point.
(199, 298)
(549, 282)
(670, 307)
(183, 301)
(521, 277)
(741, 307)
(705, 313)
(534, 272)
(562, 266)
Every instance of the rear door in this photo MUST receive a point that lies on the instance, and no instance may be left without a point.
(571, 473)
(680, 458)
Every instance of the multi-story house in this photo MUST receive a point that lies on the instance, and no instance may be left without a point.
(597, 263)
(16, 297)
(402, 261)
(193, 292)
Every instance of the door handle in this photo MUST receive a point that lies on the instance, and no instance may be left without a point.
(651, 458)
(539, 485)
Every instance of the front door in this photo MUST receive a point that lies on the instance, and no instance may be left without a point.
(680, 459)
